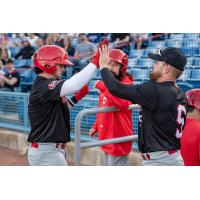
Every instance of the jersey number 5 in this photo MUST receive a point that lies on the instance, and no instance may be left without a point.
(180, 120)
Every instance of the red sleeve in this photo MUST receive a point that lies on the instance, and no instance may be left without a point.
(199, 147)
(100, 86)
(95, 127)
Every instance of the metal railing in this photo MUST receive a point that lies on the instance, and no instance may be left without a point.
(77, 129)
(14, 111)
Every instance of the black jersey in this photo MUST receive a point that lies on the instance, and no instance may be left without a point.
(164, 108)
(48, 112)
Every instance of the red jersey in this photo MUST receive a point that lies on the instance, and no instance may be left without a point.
(190, 143)
(114, 124)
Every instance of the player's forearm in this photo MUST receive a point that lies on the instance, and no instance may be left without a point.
(115, 87)
(77, 81)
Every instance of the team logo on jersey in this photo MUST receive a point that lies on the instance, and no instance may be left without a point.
(53, 84)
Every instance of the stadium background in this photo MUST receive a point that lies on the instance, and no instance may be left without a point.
(13, 106)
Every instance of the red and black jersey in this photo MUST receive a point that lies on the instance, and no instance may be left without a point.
(190, 143)
(48, 112)
(164, 108)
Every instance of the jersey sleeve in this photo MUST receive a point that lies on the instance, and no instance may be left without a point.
(144, 94)
(50, 90)
(95, 126)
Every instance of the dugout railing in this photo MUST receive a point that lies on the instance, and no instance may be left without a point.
(77, 129)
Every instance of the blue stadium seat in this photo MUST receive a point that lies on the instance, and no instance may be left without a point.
(140, 74)
(191, 43)
(92, 84)
(193, 36)
(177, 36)
(157, 44)
(190, 62)
(14, 50)
(136, 53)
(147, 51)
(197, 62)
(185, 86)
(195, 74)
(190, 51)
(97, 75)
(27, 77)
(186, 75)
(29, 62)
(20, 63)
(145, 63)
(132, 62)
(174, 43)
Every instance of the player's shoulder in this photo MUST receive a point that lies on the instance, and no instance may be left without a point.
(194, 124)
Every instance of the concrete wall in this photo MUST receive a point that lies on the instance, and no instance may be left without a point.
(90, 156)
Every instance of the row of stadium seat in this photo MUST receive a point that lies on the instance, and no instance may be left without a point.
(132, 62)
(189, 52)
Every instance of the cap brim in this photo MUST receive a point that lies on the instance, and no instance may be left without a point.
(66, 62)
(154, 56)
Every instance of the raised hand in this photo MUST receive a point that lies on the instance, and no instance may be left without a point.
(95, 59)
(104, 57)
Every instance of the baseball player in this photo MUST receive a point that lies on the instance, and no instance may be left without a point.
(48, 108)
(163, 105)
(114, 124)
(190, 141)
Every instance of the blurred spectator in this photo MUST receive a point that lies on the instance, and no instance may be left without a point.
(140, 40)
(158, 36)
(121, 41)
(26, 52)
(73, 38)
(40, 42)
(50, 39)
(42, 36)
(4, 40)
(17, 39)
(11, 79)
(55, 39)
(2, 73)
(32, 38)
(71, 51)
(58, 40)
(68, 47)
(4, 56)
(94, 37)
(84, 50)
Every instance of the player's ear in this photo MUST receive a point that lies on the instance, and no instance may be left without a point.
(166, 68)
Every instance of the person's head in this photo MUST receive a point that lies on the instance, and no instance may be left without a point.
(169, 65)
(50, 61)
(25, 43)
(9, 65)
(67, 42)
(4, 54)
(83, 37)
(118, 63)
(40, 42)
(193, 98)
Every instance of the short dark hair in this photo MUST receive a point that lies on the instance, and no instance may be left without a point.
(37, 70)
(9, 61)
(80, 34)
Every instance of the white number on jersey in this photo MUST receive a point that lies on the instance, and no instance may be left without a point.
(181, 117)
